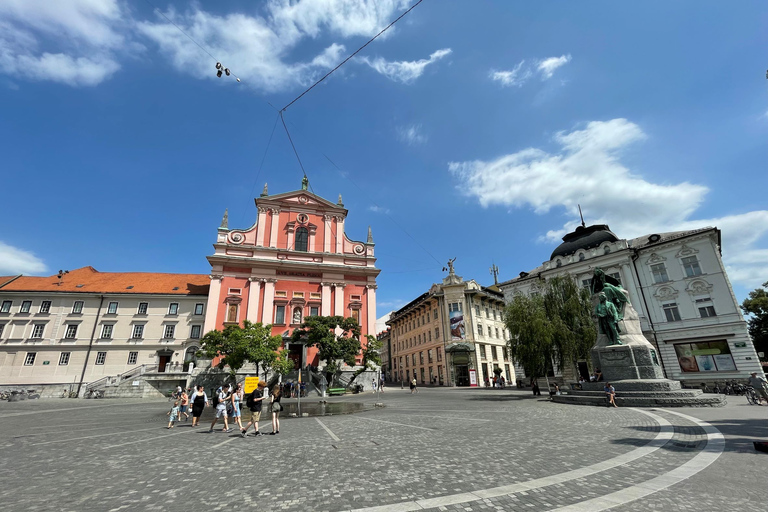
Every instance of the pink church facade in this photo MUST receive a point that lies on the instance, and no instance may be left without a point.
(295, 261)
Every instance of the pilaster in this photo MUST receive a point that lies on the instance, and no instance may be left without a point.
(254, 287)
(214, 296)
(269, 298)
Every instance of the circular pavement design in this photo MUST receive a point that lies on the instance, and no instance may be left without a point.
(439, 449)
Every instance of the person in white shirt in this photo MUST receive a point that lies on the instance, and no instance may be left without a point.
(221, 408)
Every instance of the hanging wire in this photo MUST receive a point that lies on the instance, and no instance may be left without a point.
(297, 98)
(161, 13)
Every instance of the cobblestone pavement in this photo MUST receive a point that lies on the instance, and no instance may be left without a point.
(440, 449)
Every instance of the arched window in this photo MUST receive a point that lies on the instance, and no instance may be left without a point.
(302, 236)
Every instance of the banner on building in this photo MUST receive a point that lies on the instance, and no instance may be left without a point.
(458, 331)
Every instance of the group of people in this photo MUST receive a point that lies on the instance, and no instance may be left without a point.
(497, 381)
(229, 403)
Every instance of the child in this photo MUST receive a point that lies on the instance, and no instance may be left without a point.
(173, 414)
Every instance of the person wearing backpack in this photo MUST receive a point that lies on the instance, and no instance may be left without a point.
(220, 403)
(254, 403)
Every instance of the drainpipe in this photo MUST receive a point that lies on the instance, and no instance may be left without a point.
(635, 257)
(90, 345)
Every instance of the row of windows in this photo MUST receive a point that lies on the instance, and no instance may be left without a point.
(435, 376)
(494, 353)
(420, 320)
(488, 312)
(432, 356)
(77, 307)
(690, 266)
(490, 331)
(417, 340)
(101, 358)
(38, 330)
(704, 305)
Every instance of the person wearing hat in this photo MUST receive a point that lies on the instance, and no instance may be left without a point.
(760, 385)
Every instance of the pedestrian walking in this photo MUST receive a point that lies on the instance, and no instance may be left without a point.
(254, 404)
(237, 400)
(183, 405)
(535, 387)
(173, 414)
(760, 385)
(373, 385)
(199, 401)
(275, 407)
(220, 403)
(414, 389)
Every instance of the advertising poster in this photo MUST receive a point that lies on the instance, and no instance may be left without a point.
(706, 364)
(457, 326)
(725, 363)
(472, 377)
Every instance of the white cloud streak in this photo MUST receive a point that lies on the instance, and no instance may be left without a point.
(15, 261)
(405, 72)
(548, 66)
(412, 135)
(522, 72)
(378, 209)
(587, 170)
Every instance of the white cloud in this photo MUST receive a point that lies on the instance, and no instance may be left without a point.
(587, 170)
(15, 261)
(378, 209)
(411, 135)
(514, 78)
(548, 66)
(258, 48)
(405, 71)
(87, 34)
(521, 73)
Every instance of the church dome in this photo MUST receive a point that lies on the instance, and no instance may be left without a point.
(584, 238)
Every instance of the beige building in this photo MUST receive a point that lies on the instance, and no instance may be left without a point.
(452, 335)
(677, 283)
(83, 326)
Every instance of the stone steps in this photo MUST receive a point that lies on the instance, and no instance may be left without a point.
(629, 394)
(644, 400)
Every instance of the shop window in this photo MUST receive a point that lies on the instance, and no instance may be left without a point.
(712, 356)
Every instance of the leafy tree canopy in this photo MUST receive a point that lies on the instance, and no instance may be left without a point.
(253, 342)
(555, 325)
(756, 305)
(333, 348)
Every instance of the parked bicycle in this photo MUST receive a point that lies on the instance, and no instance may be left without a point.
(753, 398)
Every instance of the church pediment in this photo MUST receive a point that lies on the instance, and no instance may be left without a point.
(300, 198)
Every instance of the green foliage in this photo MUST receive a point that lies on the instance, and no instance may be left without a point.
(238, 345)
(371, 356)
(554, 326)
(320, 332)
(282, 364)
(757, 306)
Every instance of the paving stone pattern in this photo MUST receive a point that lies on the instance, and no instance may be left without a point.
(99, 455)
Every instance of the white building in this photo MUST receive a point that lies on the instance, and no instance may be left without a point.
(85, 325)
(452, 335)
(678, 285)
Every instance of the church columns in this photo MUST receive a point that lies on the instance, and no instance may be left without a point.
(325, 306)
(312, 233)
(327, 233)
(214, 296)
(275, 227)
(370, 294)
(254, 287)
(261, 226)
(338, 310)
(339, 234)
(269, 298)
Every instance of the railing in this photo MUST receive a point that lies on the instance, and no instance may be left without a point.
(116, 380)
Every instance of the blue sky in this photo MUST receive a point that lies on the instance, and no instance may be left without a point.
(471, 130)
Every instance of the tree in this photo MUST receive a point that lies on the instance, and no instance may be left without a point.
(555, 326)
(282, 364)
(238, 345)
(371, 356)
(757, 306)
(334, 349)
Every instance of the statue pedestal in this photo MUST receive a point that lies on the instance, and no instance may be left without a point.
(623, 362)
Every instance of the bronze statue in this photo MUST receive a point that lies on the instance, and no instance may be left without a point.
(304, 183)
(608, 319)
(613, 291)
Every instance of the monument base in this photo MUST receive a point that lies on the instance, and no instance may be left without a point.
(640, 393)
(624, 362)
